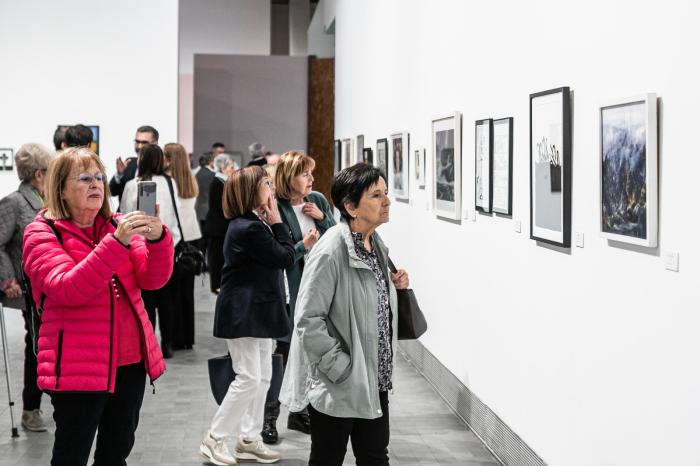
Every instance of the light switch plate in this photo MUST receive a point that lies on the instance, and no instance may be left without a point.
(671, 260)
(579, 239)
(518, 226)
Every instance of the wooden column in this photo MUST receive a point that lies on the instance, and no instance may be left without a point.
(321, 121)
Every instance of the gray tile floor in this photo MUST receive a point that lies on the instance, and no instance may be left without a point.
(424, 432)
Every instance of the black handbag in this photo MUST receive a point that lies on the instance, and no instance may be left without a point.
(221, 375)
(188, 258)
(412, 322)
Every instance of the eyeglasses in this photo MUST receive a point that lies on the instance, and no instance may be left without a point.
(88, 177)
(142, 142)
(268, 182)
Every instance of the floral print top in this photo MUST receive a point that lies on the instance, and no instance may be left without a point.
(383, 312)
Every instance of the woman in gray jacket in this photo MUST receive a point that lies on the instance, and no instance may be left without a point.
(341, 356)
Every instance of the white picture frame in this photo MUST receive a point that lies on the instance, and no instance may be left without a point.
(399, 165)
(447, 142)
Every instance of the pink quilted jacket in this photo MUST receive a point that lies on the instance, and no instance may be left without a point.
(76, 281)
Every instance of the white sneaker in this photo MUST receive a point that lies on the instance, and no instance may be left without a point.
(216, 451)
(32, 420)
(255, 451)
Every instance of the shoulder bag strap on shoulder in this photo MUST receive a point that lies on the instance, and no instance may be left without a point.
(172, 196)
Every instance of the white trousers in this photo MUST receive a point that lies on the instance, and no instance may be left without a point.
(241, 412)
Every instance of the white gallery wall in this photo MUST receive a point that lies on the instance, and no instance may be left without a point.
(112, 64)
(591, 354)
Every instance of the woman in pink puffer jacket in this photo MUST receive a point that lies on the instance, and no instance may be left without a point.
(96, 344)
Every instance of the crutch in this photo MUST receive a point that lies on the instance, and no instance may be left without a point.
(6, 356)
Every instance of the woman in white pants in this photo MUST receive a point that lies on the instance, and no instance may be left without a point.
(250, 313)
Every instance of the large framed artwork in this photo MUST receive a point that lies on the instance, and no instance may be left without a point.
(367, 156)
(359, 147)
(398, 169)
(6, 159)
(419, 163)
(95, 145)
(337, 159)
(382, 159)
(628, 161)
(550, 167)
(447, 162)
(348, 154)
(482, 160)
(502, 172)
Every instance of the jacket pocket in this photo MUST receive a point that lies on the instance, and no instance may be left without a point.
(59, 355)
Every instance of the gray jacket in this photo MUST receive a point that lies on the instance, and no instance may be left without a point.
(17, 210)
(333, 356)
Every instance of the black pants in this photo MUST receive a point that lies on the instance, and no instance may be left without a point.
(215, 259)
(183, 311)
(369, 438)
(273, 393)
(163, 300)
(31, 395)
(114, 417)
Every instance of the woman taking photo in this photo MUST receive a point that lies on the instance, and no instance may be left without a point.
(250, 312)
(346, 327)
(17, 210)
(307, 215)
(96, 345)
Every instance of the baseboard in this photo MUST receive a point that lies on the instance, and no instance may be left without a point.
(505, 444)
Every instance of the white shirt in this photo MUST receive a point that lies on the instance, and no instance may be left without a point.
(163, 198)
(306, 223)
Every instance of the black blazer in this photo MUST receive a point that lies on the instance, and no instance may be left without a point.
(252, 299)
(116, 189)
(216, 225)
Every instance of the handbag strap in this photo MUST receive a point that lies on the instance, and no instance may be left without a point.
(392, 267)
(172, 196)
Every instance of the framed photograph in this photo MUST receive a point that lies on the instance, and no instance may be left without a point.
(360, 147)
(447, 162)
(95, 145)
(482, 161)
(419, 165)
(367, 156)
(398, 169)
(348, 154)
(382, 160)
(502, 170)
(550, 167)
(628, 161)
(337, 160)
(7, 157)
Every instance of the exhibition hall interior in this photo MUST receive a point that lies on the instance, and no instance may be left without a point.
(534, 156)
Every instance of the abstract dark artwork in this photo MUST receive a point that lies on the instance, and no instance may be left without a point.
(550, 167)
(6, 159)
(367, 155)
(398, 169)
(628, 171)
(447, 163)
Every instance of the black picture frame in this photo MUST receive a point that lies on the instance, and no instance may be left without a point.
(382, 159)
(559, 178)
(481, 204)
(367, 156)
(508, 121)
(7, 157)
(95, 145)
(337, 156)
(359, 147)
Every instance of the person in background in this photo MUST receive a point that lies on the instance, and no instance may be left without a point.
(96, 347)
(204, 176)
(345, 327)
(307, 215)
(17, 210)
(59, 138)
(250, 312)
(257, 155)
(217, 149)
(126, 169)
(78, 136)
(216, 223)
(177, 167)
(151, 168)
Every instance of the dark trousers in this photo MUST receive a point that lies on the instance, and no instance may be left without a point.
(114, 417)
(31, 395)
(215, 259)
(273, 393)
(369, 438)
(183, 311)
(163, 300)
(203, 241)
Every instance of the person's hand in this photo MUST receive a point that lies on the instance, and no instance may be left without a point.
(156, 230)
(138, 223)
(13, 291)
(400, 279)
(312, 211)
(121, 165)
(310, 238)
(271, 214)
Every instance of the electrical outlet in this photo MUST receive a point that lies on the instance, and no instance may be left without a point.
(671, 260)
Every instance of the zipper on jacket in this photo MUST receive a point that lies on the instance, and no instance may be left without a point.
(111, 335)
(59, 355)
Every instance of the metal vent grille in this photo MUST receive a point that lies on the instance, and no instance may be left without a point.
(505, 444)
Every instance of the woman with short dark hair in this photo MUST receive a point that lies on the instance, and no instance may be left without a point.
(346, 327)
(250, 312)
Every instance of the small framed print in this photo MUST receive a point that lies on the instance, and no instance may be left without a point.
(446, 160)
(6, 159)
(398, 169)
(628, 163)
(482, 164)
(367, 156)
(360, 147)
(382, 159)
(419, 165)
(337, 159)
(502, 170)
(347, 154)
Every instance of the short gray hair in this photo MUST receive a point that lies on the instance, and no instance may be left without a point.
(30, 158)
(221, 160)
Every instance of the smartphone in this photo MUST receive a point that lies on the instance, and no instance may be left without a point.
(147, 197)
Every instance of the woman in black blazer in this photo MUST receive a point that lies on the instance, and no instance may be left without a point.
(250, 313)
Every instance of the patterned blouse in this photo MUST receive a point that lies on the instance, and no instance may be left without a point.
(383, 312)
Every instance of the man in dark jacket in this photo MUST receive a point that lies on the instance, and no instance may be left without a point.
(126, 169)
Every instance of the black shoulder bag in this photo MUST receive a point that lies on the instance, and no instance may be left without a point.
(412, 322)
(188, 259)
